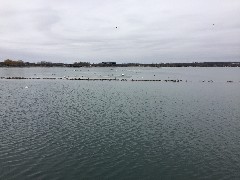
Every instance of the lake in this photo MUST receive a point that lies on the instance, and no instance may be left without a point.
(62, 129)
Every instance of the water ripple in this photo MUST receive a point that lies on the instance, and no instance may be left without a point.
(70, 130)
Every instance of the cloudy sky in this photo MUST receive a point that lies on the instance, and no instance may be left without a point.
(148, 31)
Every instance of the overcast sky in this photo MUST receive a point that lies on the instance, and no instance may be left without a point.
(148, 31)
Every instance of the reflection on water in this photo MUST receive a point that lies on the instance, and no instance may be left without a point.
(79, 129)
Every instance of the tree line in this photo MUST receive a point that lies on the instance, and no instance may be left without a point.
(20, 63)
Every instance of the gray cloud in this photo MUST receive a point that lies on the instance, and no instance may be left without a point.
(148, 31)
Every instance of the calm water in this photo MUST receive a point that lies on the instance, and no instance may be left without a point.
(60, 129)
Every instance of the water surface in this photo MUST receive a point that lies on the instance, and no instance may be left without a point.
(60, 129)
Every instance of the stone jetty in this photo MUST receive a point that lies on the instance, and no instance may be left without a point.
(107, 79)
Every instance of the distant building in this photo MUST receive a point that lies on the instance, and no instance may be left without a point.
(109, 63)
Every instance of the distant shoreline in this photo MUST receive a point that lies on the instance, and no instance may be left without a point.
(12, 63)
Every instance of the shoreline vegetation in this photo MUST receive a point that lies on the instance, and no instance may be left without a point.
(20, 63)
